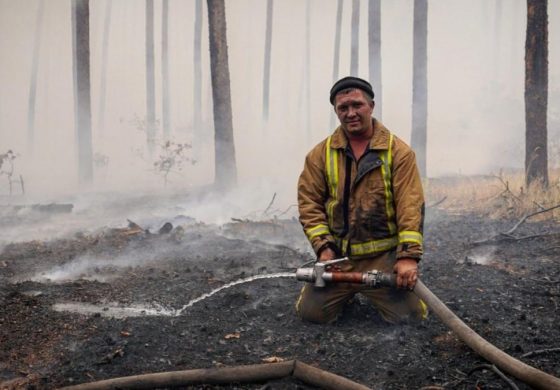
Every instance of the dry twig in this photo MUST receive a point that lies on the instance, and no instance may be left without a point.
(265, 212)
(495, 369)
(438, 202)
(286, 211)
(509, 234)
(506, 191)
(540, 352)
(527, 216)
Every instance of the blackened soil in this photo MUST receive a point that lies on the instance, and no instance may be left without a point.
(506, 290)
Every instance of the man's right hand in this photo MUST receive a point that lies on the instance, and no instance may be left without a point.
(326, 255)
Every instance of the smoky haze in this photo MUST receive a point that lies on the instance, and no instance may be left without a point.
(475, 89)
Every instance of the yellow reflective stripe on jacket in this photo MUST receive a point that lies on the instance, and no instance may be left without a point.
(386, 168)
(317, 231)
(369, 247)
(423, 307)
(410, 236)
(332, 168)
(332, 179)
(341, 244)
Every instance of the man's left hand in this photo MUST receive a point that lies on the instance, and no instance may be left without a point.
(407, 272)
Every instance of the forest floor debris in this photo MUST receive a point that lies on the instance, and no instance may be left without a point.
(508, 292)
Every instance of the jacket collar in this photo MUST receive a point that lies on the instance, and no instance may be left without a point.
(379, 141)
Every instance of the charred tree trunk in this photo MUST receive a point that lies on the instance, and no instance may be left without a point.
(355, 44)
(420, 84)
(165, 116)
(336, 58)
(197, 91)
(374, 35)
(82, 96)
(536, 92)
(267, 52)
(150, 79)
(33, 82)
(104, 54)
(225, 166)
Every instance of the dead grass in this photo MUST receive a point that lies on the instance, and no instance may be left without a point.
(501, 195)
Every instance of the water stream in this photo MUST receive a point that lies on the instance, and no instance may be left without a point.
(113, 310)
(235, 283)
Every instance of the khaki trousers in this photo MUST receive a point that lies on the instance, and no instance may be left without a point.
(324, 304)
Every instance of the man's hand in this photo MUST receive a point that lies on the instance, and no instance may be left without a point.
(407, 272)
(326, 255)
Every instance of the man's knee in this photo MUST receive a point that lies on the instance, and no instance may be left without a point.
(313, 310)
(408, 310)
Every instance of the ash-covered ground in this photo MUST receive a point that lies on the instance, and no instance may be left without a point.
(85, 304)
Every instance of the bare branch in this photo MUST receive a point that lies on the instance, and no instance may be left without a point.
(527, 216)
(438, 202)
(509, 236)
(286, 211)
(495, 369)
(265, 212)
(540, 352)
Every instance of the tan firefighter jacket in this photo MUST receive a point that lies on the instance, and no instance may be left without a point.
(367, 208)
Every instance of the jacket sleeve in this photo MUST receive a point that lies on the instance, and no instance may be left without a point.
(312, 195)
(409, 202)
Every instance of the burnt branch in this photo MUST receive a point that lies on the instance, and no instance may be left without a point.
(496, 371)
(508, 235)
(506, 192)
(438, 202)
(540, 352)
(527, 216)
(265, 212)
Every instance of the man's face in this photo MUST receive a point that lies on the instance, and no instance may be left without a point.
(354, 112)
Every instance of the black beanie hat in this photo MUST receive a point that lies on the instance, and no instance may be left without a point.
(351, 82)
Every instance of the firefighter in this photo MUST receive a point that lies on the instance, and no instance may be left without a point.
(360, 195)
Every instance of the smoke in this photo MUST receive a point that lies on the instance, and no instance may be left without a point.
(87, 268)
(475, 90)
(94, 211)
(481, 256)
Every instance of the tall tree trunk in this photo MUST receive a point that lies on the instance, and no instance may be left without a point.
(355, 44)
(197, 76)
(374, 35)
(150, 79)
(336, 58)
(165, 116)
(33, 82)
(420, 84)
(536, 92)
(225, 166)
(104, 55)
(82, 97)
(267, 52)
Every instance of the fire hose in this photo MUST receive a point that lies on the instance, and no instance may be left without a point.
(320, 275)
